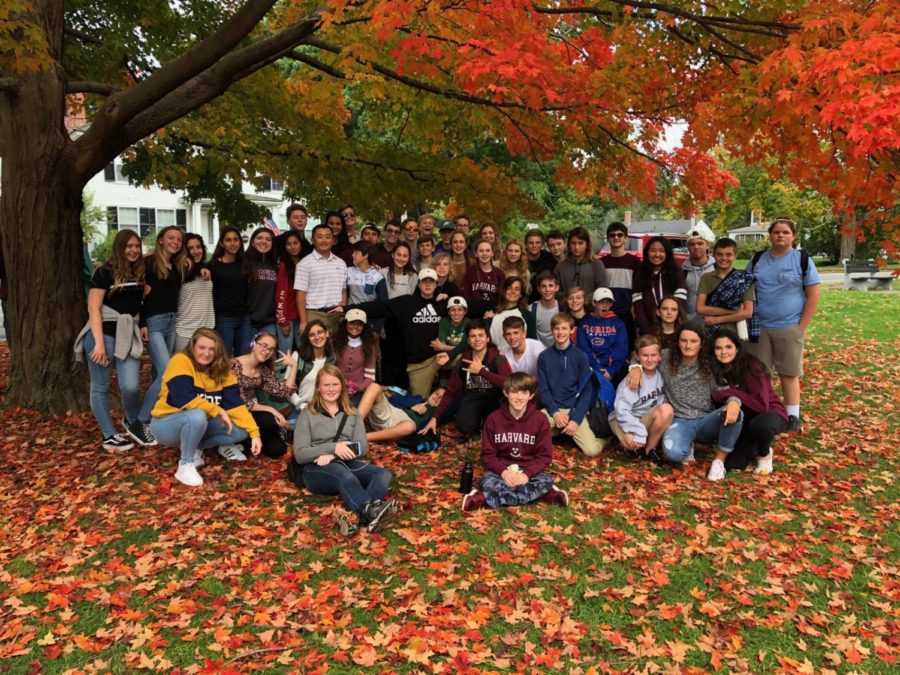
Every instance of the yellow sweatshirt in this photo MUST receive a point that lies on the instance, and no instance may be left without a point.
(186, 388)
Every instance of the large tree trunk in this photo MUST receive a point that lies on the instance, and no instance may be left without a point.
(42, 246)
(848, 240)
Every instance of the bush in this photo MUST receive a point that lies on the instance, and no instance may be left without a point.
(101, 252)
(746, 249)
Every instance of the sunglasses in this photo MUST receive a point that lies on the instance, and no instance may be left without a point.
(615, 235)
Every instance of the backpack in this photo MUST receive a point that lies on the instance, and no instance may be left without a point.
(419, 443)
(804, 261)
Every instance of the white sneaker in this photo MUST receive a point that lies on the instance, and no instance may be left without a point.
(233, 453)
(187, 474)
(690, 459)
(198, 458)
(764, 464)
(716, 470)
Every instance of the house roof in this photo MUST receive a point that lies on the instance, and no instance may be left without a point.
(749, 229)
(663, 226)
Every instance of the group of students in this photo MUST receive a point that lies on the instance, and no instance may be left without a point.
(307, 343)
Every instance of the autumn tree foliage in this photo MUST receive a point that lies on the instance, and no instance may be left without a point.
(385, 102)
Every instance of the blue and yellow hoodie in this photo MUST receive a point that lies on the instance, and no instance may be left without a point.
(185, 388)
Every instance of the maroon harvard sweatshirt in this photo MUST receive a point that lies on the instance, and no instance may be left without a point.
(506, 441)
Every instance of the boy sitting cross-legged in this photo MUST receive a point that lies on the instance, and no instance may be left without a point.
(516, 451)
(640, 418)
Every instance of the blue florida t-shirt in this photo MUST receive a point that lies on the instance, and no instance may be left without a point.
(780, 285)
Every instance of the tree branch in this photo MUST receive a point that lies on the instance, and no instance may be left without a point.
(122, 107)
(735, 23)
(81, 35)
(408, 81)
(76, 87)
(112, 133)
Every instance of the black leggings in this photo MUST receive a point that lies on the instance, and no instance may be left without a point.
(273, 444)
(755, 439)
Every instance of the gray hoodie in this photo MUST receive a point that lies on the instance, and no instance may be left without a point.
(692, 274)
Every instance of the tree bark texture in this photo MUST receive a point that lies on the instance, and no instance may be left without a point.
(41, 233)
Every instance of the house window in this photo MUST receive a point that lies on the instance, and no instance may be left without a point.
(109, 172)
(181, 218)
(272, 185)
(112, 219)
(147, 221)
(128, 218)
(165, 217)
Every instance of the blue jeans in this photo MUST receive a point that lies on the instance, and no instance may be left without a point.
(235, 332)
(289, 343)
(355, 481)
(191, 430)
(128, 372)
(160, 344)
(677, 440)
(271, 328)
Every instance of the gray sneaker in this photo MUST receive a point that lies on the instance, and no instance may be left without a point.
(377, 513)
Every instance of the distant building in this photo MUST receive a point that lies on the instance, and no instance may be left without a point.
(146, 209)
(755, 232)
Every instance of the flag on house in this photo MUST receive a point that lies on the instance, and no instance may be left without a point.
(269, 223)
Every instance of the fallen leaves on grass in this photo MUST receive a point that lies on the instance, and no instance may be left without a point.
(107, 564)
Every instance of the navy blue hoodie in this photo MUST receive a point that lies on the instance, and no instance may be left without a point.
(560, 377)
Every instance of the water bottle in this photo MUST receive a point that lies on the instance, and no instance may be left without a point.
(466, 477)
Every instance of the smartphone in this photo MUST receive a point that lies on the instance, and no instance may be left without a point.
(355, 447)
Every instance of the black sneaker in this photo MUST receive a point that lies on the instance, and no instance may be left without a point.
(794, 425)
(118, 443)
(141, 433)
(377, 513)
(655, 456)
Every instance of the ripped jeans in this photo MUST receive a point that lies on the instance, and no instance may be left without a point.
(681, 434)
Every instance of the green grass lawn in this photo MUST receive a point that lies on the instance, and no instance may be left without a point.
(108, 564)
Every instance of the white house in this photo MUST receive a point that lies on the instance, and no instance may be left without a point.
(144, 209)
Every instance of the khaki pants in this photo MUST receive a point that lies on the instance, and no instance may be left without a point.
(620, 433)
(421, 376)
(584, 438)
(330, 319)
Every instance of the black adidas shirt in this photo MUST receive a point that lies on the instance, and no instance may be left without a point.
(418, 318)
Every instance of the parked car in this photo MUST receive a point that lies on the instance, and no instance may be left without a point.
(636, 242)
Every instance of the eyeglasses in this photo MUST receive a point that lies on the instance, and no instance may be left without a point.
(263, 347)
(392, 230)
(616, 235)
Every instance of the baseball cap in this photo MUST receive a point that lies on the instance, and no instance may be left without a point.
(428, 273)
(602, 294)
(701, 231)
(447, 225)
(457, 301)
(355, 315)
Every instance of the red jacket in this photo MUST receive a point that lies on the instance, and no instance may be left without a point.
(285, 298)
(756, 394)
(506, 441)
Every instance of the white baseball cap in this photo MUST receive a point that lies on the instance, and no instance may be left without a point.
(355, 315)
(457, 301)
(428, 273)
(602, 294)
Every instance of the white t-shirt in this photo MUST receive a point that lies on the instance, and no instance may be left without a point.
(542, 319)
(527, 362)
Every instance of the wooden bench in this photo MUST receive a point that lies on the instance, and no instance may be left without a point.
(862, 275)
